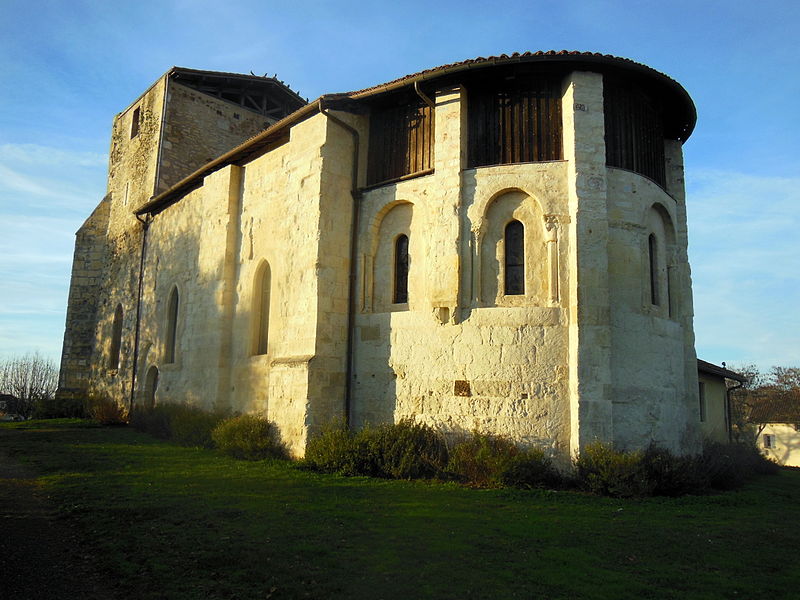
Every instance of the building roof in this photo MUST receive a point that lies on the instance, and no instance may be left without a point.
(681, 102)
(712, 369)
(776, 406)
(197, 78)
(682, 114)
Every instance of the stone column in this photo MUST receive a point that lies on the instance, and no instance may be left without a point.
(681, 288)
(227, 299)
(444, 210)
(589, 309)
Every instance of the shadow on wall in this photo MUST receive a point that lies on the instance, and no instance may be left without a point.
(786, 445)
(374, 394)
(187, 345)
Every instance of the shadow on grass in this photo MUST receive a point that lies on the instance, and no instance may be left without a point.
(167, 521)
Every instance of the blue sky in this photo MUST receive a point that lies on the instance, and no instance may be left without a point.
(68, 67)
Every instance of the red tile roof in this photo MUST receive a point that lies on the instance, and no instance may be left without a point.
(680, 102)
(539, 56)
(775, 406)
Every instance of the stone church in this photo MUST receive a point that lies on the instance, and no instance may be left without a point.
(498, 244)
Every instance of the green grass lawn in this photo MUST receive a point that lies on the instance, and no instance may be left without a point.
(172, 522)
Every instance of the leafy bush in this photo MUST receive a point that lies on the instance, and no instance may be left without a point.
(531, 469)
(659, 472)
(603, 470)
(154, 420)
(333, 450)
(403, 450)
(50, 408)
(748, 455)
(482, 459)
(183, 424)
(249, 437)
(672, 475)
(105, 411)
(728, 466)
(192, 426)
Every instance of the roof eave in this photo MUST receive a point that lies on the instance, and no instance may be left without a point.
(240, 152)
(712, 369)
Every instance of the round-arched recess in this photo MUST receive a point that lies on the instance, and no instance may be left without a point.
(150, 386)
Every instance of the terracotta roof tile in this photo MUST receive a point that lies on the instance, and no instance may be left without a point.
(776, 406)
(511, 58)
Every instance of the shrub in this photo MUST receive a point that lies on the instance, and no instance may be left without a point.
(603, 470)
(482, 459)
(50, 408)
(720, 468)
(752, 458)
(657, 471)
(530, 469)
(672, 475)
(183, 424)
(249, 437)
(192, 426)
(154, 420)
(728, 466)
(333, 450)
(404, 450)
(105, 411)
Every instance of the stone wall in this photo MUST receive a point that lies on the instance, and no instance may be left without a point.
(87, 272)
(654, 400)
(108, 247)
(210, 246)
(458, 355)
(583, 353)
(133, 161)
(197, 129)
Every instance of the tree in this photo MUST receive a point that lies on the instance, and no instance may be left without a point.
(29, 378)
(764, 398)
(786, 378)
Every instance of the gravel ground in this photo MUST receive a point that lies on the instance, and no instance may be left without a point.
(42, 556)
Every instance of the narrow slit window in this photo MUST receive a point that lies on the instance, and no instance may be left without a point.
(514, 284)
(116, 339)
(653, 259)
(261, 297)
(135, 118)
(172, 327)
(400, 295)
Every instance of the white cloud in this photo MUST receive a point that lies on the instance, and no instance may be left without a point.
(38, 156)
(45, 195)
(46, 178)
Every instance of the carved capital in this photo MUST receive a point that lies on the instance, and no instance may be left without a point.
(551, 225)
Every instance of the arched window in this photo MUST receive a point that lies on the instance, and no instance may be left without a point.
(116, 339)
(172, 327)
(400, 295)
(261, 301)
(150, 387)
(514, 259)
(652, 248)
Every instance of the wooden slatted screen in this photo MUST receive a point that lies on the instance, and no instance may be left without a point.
(400, 139)
(513, 121)
(634, 131)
